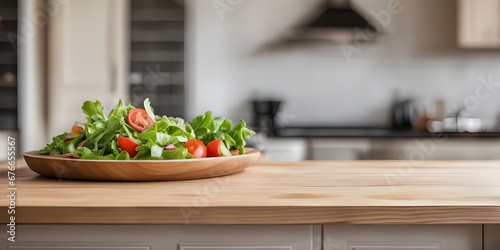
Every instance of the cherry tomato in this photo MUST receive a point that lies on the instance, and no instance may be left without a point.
(126, 144)
(139, 119)
(67, 139)
(76, 130)
(196, 148)
(217, 148)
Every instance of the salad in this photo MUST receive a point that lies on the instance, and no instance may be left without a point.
(129, 133)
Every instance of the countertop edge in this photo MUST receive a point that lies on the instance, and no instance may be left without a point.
(348, 215)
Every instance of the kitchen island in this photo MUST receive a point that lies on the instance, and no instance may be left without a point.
(442, 193)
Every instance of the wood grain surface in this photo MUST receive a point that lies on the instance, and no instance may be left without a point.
(308, 192)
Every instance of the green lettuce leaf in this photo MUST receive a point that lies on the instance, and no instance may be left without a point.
(121, 111)
(88, 154)
(239, 133)
(57, 145)
(151, 151)
(94, 111)
(207, 129)
(70, 146)
(101, 133)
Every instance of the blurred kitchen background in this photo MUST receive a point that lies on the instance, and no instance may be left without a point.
(318, 79)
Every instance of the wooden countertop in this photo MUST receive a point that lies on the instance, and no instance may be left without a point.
(309, 192)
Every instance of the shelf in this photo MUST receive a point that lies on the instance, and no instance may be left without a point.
(153, 56)
(5, 40)
(8, 68)
(8, 57)
(4, 36)
(9, 25)
(157, 32)
(8, 103)
(162, 65)
(7, 108)
(162, 38)
(6, 46)
(157, 50)
(8, 4)
(8, 13)
(157, 21)
(179, 46)
(155, 4)
(8, 63)
(157, 15)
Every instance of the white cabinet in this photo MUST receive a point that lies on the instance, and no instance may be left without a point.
(478, 23)
(491, 237)
(399, 237)
(254, 237)
(324, 149)
(426, 148)
(88, 51)
(284, 149)
(53, 247)
(212, 246)
(388, 246)
(435, 149)
(167, 237)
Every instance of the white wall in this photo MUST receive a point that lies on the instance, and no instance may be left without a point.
(228, 63)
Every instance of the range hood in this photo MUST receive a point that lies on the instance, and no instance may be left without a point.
(338, 22)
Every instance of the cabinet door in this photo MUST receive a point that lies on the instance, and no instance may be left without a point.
(399, 237)
(253, 246)
(388, 246)
(491, 237)
(88, 51)
(170, 237)
(47, 247)
(478, 24)
(339, 149)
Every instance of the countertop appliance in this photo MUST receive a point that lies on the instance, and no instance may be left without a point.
(404, 115)
(264, 116)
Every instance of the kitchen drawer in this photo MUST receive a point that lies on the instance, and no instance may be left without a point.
(402, 237)
(284, 149)
(338, 149)
(38, 247)
(251, 246)
(435, 149)
(491, 237)
(167, 237)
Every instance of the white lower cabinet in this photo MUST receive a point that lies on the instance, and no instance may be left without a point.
(399, 237)
(251, 246)
(418, 149)
(254, 237)
(491, 237)
(55, 247)
(166, 237)
(339, 149)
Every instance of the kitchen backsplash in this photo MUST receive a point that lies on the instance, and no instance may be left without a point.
(236, 54)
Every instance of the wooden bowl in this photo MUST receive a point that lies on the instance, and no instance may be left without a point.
(139, 170)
